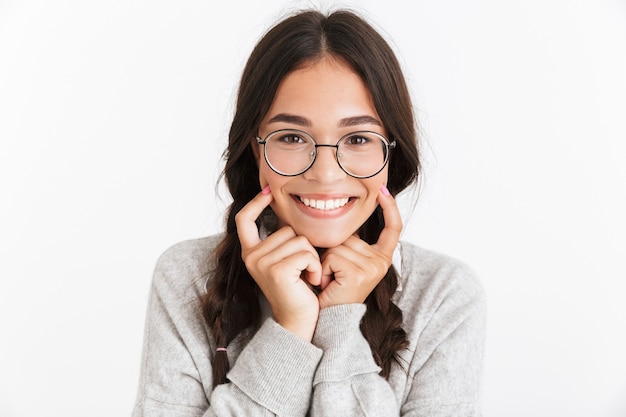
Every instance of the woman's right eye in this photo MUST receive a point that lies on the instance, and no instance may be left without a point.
(291, 139)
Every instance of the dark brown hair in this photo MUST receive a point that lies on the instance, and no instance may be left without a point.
(231, 306)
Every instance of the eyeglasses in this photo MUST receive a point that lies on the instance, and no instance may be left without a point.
(292, 152)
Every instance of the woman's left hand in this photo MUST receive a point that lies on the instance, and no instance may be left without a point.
(356, 266)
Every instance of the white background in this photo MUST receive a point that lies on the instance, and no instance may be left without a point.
(113, 117)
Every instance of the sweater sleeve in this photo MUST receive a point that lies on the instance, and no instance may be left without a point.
(269, 377)
(275, 371)
(347, 382)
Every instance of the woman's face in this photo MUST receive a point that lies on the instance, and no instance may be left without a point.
(327, 100)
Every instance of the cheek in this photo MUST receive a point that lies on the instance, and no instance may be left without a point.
(269, 177)
(264, 174)
(373, 184)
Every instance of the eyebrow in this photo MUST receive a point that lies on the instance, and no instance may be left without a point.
(290, 118)
(303, 121)
(359, 120)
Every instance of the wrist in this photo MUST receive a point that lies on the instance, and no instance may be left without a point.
(304, 329)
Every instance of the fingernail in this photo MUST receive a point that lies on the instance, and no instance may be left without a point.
(266, 190)
(384, 190)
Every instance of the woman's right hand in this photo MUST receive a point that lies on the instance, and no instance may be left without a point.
(278, 264)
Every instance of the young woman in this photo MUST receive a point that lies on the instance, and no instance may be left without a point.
(308, 305)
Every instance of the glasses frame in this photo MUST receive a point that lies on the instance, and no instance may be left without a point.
(388, 146)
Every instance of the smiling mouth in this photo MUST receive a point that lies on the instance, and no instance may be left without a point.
(324, 205)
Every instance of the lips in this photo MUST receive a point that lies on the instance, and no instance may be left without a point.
(324, 204)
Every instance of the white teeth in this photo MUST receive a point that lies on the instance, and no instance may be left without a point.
(325, 204)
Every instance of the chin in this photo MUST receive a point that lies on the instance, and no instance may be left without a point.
(324, 241)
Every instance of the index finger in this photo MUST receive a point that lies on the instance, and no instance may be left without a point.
(389, 236)
(246, 219)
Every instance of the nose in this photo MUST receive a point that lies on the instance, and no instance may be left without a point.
(325, 168)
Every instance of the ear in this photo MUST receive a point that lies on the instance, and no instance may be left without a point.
(255, 149)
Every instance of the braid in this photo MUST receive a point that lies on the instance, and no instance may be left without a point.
(382, 323)
(230, 305)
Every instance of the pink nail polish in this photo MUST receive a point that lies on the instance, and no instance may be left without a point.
(384, 190)
(266, 190)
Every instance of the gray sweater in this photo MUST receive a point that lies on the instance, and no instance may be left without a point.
(278, 374)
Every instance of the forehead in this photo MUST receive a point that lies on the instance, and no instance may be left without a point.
(324, 92)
